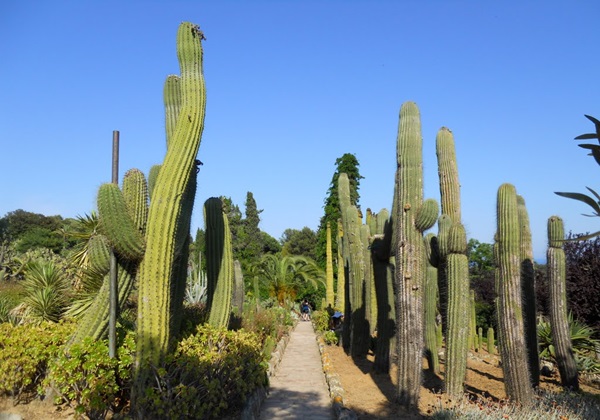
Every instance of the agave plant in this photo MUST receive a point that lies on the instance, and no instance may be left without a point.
(584, 344)
(195, 290)
(46, 292)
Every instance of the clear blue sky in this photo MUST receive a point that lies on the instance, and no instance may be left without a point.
(293, 85)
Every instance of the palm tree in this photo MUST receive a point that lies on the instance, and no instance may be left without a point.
(284, 275)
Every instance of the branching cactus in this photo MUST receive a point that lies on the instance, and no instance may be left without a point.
(430, 300)
(512, 345)
(123, 217)
(411, 219)
(528, 291)
(219, 263)
(450, 204)
(168, 211)
(458, 311)
(556, 266)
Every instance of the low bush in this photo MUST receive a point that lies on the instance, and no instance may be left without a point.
(320, 320)
(25, 351)
(89, 380)
(210, 374)
(330, 338)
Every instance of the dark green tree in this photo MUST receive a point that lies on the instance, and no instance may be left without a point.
(481, 273)
(16, 223)
(270, 244)
(253, 246)
(299, 242)
(348, 164)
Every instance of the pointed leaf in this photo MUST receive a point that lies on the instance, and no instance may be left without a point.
(592, 119)
(589, 146)
(581, 197)
(587, 136)
(595, 193)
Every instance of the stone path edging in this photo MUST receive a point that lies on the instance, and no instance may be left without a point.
(335, 386)
(251, 410)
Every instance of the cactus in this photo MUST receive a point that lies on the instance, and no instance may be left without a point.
(131, 205)
(383, 278)
(219, 263)
(369, 284)
(430, 299)
(329, 293)
(340, 294)
(479, 339)
(491, 348)
(237, 298)
(169, 208)
(513, 351)
(409, 254)
(561, 337)
(528, 292)
(472, 320)
(354, 261)
(458, 331)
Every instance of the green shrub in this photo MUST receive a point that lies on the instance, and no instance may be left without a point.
(268, 322)
(330, 338)
(24, 354)
(210, 374)
(320, 320)
(89, 380)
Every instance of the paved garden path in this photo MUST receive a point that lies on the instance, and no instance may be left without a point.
(299, 390)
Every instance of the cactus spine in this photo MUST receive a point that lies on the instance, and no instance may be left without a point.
(458, 330)
(528, 291)
(329, 293)
(409, 254)
(556, 263)
(512, 344)
(219, 263)
(168, 210)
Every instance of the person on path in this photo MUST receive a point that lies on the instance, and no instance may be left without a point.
(305, 309)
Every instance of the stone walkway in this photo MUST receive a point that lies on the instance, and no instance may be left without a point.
(299, 390)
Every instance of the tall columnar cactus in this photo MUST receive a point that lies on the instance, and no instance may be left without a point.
(512, 345)
(557, 274)
(491, 341)
(383, 277)
(354, 261)
(340, 295)
(413, 216)
(528, 292)
(472, 319)
(168, 209)
(430, 300)
(458, 311)
(329, 293)
(219, 263)
(369, 285)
